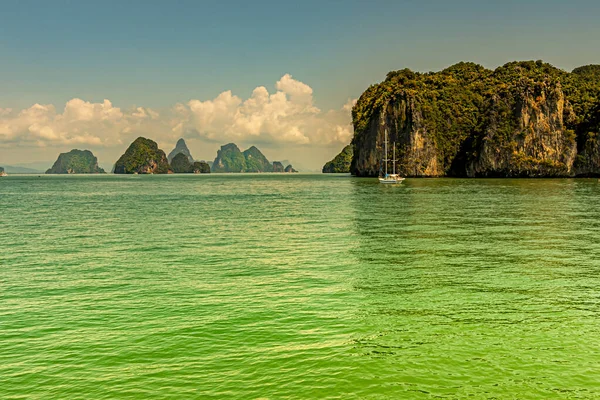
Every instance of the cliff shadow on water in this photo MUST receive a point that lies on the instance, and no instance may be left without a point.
(524, 119)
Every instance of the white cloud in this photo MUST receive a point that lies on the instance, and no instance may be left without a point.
(79, 110)
(80, 123)
(286, 117)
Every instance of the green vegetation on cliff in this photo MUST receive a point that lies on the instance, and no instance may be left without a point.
(588, 144)
(143, 157)
(231, 159)
(584, 90)
(256, 161)
(341, 162)
(518, 120)
(200, 167)
(181, 164)
(76, 162)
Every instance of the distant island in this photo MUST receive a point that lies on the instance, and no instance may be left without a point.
(143, 157)
(231, 159)
(26, 169)
(76, 162)
(341, 163)
(182, 165)
(524, 119)
(182, 162)
(181, 148)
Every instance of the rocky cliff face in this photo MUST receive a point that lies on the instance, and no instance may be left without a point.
(76, 162)
(588, 160)
(415, 148)
(516, 121)
(526, 135)
(143, 157)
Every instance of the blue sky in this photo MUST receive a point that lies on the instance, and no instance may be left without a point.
(156, 54)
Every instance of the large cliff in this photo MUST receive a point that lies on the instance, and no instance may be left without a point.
(525, 119)
(588, 140)
(76, 162)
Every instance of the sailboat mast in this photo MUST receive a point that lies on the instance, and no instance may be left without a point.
(394, 170)
(385, 153)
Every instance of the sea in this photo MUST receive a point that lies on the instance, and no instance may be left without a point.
(298, 286)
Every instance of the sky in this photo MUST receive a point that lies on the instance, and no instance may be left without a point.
(279, 75)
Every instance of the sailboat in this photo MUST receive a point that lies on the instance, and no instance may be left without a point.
(392, 178)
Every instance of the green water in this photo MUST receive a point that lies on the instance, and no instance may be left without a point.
(298, 286)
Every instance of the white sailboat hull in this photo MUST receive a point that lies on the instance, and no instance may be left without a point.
(391, 180)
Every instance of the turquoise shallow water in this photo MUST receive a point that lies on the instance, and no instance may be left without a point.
(298, 286)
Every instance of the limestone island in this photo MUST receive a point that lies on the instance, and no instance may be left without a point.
(341, 163)
(231, 159)
(523, 119)
(182, 162)
(143, 157)
(181, 165)
(76, 162)
(180, 148)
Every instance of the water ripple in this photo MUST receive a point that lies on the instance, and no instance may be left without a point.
(298, 286)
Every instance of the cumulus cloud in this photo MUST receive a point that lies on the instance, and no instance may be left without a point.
(286, 116)
(79, 123)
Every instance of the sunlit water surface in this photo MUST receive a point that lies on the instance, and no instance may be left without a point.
(298, 286)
